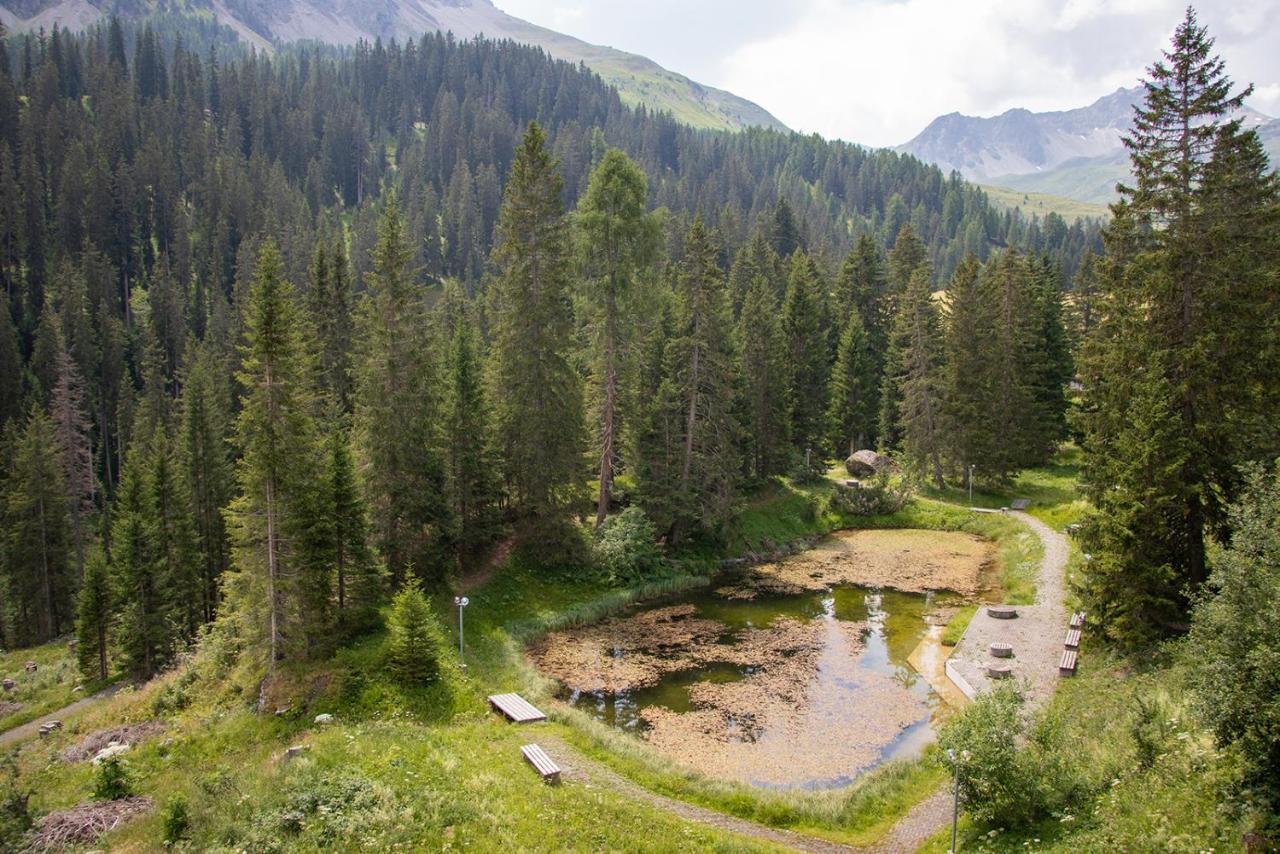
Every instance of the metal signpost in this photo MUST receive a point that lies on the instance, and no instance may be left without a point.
(461, 602)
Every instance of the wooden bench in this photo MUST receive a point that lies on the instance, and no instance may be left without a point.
(1002, 612)
(1073, 639)
(1077, 620)
(1020, 504)
(1067, 667)
(543, 763)
(1000, 649)
(516, 708)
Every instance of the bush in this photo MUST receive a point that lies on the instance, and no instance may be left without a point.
(177, 820)
(626, 549)
(876, 496)
(111, 782)
(1234, 653)
(15, 820)
(415, 641)
(1011, 773)
(806, 468)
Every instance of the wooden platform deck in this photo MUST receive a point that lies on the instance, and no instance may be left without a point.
(516, 708)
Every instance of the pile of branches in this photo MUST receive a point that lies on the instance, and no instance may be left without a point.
(131, 734)
(83, 823)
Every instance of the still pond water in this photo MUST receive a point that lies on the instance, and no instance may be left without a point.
(850, 685)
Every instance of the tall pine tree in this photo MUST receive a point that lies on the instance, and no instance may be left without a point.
(537, 396)
(617, 240)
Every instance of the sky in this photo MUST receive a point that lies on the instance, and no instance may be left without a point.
(877, 71)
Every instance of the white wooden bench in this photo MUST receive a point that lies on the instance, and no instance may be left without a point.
(1067, 667)
(543, 763)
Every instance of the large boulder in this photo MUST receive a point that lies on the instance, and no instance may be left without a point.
(866, 464)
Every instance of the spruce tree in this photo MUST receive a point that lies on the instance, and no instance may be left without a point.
(207, 469)
(67, 406)
(173, 535)
(329, 299)
(688, 482)
(93, 618)
(537, 396)
(806, 359)
(1008, 363)
(358, 582)
(785, 234)
(40, 578)
(469, 459)
(617, 240)
(968, 331)
(851, 409)
(415, 641)
(275, 433)
(1185, 332)
(10, 369)
(140, 588)
(764, 381)
(396, 416)
(915, 382)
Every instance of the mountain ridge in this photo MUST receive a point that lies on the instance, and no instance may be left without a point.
(1076, 153)
(639, 80)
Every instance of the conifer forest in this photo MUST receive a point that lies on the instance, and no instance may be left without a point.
(299, 344)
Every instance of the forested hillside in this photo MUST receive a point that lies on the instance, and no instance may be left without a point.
(296, 349)
(162, 206)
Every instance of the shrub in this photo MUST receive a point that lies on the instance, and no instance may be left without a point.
(111, 782)
(806, 468)
(415, 641)
(876, 496)
(1011, 773)
(177, 820)
(1234, 653)
(626, 549)
(15, 820)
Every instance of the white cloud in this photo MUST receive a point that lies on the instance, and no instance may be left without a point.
(877, 71)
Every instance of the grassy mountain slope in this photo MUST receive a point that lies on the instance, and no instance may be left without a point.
(1042, 204)
(262, 22)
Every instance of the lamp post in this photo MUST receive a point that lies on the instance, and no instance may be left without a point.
(461, 602)
(955, 802)
(970, 484)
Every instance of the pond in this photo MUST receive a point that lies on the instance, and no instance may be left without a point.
(775, 677)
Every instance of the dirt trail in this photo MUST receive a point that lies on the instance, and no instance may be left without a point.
(484, 573)
(32, 728)
(580, 769)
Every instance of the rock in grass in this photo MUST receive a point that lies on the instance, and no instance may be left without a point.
(325, 718)
(294, 752)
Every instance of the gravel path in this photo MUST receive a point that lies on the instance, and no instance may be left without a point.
(580, 769)
(32, 728)
(925, 819)
(1036, 634)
